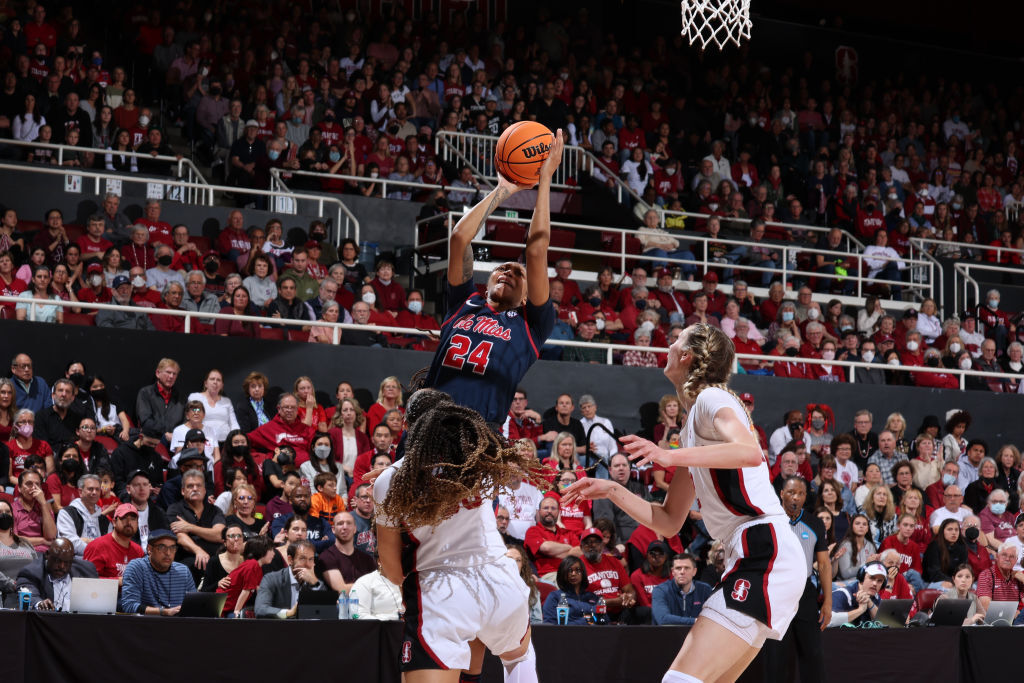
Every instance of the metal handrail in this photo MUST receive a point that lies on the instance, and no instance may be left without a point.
(384, 182)
(973, 246)
(964, 269)
(850, 238)
(284, 201)
(703, 260)
(484, 148)
(609, 348)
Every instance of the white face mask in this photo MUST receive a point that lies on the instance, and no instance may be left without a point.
(670, 171)
(912, 346)
(369, 298)
(894, 361)
(415, 307)
(374, 174)
(96, 280)
(868, 356)
(138, 281)
(322, 451)
(965, 364)
(143, 120)
(955, 348)
(813, 314)
(647, 325)
(600, 324)
(828, 355)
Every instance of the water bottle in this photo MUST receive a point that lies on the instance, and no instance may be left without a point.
(368, 256)
(353, 606)
(562, 610)
(601, 612)
(343, 605)
(24, 600)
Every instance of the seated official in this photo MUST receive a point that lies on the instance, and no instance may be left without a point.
(278, 595)
(112, 552)
(679, 600)
(856, 602)
(48, 577)
(156, 584)
(571, 579)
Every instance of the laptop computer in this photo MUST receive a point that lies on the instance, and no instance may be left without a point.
(208, 605)
(93, 596)
(893, 613)
(1000, 613)
(948, 612)
(317, 605)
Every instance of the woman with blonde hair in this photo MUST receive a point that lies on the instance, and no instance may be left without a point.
(8, 407)
(306, 395)
(927, 465)
(516, 553)
(897, 424)
(668, 419)
(389, 397)
(880, 509)
(347, 434)
(563, 457)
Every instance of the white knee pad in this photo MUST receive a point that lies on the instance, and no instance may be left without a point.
(678, 677)
(522, 669)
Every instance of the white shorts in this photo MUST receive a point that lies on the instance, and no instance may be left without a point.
(448, 608)
(765, 574)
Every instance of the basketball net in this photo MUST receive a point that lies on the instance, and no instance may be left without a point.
(716, 21)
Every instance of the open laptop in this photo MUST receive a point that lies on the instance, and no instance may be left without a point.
(93, 596)
(893, 613)
(1000, 613)
(207, 605)
(948, 612)
(317, 605)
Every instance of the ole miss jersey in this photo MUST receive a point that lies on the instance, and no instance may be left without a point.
(484, 354)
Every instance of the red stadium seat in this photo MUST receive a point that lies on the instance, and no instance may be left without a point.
(545, 590)
(512, 233)
(79, 319)
(226, 268)
(926, 598)
(611, 243)
(561, 238)
(272, 333)
(202, 243)
(296, 334)
(107, 442)
(74, 231)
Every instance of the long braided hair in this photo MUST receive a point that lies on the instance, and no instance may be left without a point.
(451, 455)
(713, 358)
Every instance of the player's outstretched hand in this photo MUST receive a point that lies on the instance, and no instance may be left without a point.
(508, 188)
(643, 452)
(554, 156)
(588, 488)
(372, 475)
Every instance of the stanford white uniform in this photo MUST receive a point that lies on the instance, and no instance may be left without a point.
(764, 574)
(458, 586)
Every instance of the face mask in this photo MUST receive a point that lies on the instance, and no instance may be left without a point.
(416, 307)
(25, 430)
(965, 364)
(6, 521)
(868, 356)
(640, 304)
(595, 301)
(274, 154)
(828, 355)
(791, 351)
(993, 303)
(240, 451)
(818, 423)
(785, 120)
(923, 192)
(143, 120)
(647, 325)
(911, 346)
(997, 508)
(948, 479)
(893, 196)
(932, 361)
(370, 298)
(600, 324)
(374, 174)
(846, 329)
(813, 314)
(671, 171)
(753, 120)
(138, 281)
(211, 266)
(164, 260)
(955, 348)
(322, 451)
(96, 280)
(894, 361)
(957, 206)
(787, 316)
(335, 156)
(972, 533)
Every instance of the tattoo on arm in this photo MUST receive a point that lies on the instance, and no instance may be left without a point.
(500, 195)
(467, 264)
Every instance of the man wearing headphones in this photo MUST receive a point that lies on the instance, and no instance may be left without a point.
(857, 603)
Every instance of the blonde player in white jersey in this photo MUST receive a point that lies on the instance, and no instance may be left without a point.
(437, 537)
(764, 573)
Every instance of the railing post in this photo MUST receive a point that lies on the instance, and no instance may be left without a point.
(188, 323)
(610, 355)
(336, 335)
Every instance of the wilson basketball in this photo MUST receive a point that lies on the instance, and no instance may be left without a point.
(521, 150)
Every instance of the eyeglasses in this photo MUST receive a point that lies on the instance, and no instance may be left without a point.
(195, 410)
(234, 537)
(165, 547)
(22, 366)
(87, 428)
(365, 496)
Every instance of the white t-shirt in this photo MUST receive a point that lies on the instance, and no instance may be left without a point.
(144, 528)
(522, 507)
(469, 538)
(728, 497)
(848, 474)
(220, 417)
(942, 514)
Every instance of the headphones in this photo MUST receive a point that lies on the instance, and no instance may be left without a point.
(862, 573)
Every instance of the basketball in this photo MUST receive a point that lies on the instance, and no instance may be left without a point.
(521, 150)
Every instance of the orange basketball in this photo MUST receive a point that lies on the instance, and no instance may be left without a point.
(521, 150)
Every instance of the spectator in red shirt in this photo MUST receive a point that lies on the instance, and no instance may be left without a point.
(1002, 582)
(112, 552)
(523, 422)
(96, 292)
(897, 587)
(607, 578)
(92, 243)
(631, 137)
(38, 31)
(996, 321)
(142, 293)
(654, 571)
(159, 231)
(285, 428)
(910, 551)
(244, 580)
(233, 241)
(390, 294)
(138, 252)
(186, 252)
(571, 293)
(548, 543)
(413, 316)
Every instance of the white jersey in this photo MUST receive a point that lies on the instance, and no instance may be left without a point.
(728, 497)
(468, 538)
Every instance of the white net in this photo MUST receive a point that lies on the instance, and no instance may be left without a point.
(716, 21)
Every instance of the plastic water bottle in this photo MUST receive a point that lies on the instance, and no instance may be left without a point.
(24, 600)
(343, 605)
(601, 612)
(353, 606)
(368, 256)
(562, 611)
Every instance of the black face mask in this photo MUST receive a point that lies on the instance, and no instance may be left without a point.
(931, 361)
(792, 352)
(6, 521)
(640, 304)
(164, 260)
(211, 266)
(240, 451)
(595, 301)
(77, 378)
(971, 533)
(99, 394)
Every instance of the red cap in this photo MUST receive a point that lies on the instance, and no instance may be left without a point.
(125, 509)
(553, 494)
(587, 319)
(886, 338)
(711, 276)
(312, 244)
(747, 397)
(592, 531)
(211, 253)
(662, 272)
(94, 268)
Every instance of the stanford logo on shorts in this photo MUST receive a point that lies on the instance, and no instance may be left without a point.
(740, 590)
(406, 652)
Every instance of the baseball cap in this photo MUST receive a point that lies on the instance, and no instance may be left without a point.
(125, 509)
(968, 314)
(886, 338)
(190, 454)
(1020, 518)
(909, 313)
(711, 276)
(157, 534)
(553, 494)
(592, 531)
(312, 244)
(151, 432)
(135, 473)
(252, 123)
(874, 569)
(120, 280)
(662, 272)
(587, 319)
(96, 268)
(747, 397)
(211, 253)
(195, 435)
(658, 545)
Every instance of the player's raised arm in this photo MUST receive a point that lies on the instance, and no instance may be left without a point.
(540, 228)
(460, 244)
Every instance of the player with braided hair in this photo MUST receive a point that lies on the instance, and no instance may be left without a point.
(764, 573)
(439, 540)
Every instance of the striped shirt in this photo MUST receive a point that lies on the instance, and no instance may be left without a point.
(145, 587)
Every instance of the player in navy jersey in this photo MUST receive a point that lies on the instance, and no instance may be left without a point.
(488, 342)
(722, 464)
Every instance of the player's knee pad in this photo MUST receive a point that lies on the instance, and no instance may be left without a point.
(679, 677)
(527, 656)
